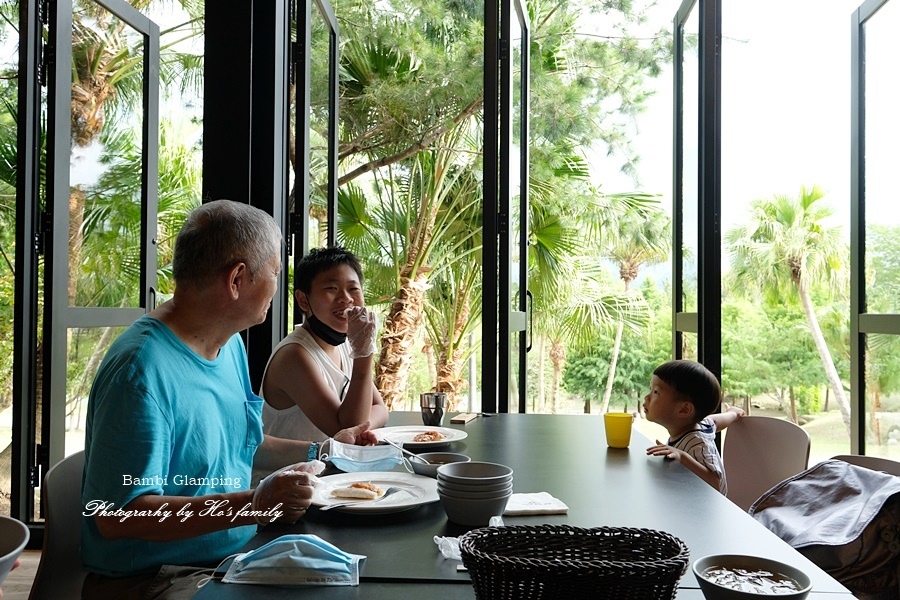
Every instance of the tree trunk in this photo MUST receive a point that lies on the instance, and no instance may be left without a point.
(450, 364)
(77, 199)
(558, 357)
(87, 377)
(428, 351)
(827, 397)
(830, 371)
(793, 412)
(779, 397)
(397, 339)
(627, 273)
(604, 404)
(449, 378)
(876, 422)
(542, 355)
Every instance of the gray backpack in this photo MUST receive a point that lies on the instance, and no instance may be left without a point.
(845, 519)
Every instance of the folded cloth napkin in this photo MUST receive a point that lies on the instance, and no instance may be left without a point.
(539, 503)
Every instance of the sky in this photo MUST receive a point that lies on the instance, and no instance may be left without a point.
(785, 108)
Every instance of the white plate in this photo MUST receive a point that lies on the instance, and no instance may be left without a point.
(418, 490)
(404, 435)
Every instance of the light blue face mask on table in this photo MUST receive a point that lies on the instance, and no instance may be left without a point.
(350, 458)
(295, 559)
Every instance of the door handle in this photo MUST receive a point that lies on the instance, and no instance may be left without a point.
(530, 310)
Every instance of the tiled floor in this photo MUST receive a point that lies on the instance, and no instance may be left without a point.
(18, 583)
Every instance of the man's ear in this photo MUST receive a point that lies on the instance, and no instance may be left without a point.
(238, 276)
(302, 300)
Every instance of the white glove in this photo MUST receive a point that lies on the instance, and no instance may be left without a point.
(361, 331)
(290, 487)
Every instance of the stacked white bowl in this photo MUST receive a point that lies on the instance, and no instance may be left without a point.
(473, 492)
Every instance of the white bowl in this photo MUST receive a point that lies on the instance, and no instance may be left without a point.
(13, 537)
(475, 495)
(780, 571)
(435, 460)
(474, 472)
(472, 512)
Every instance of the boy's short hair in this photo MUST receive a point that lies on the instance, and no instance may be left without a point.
(323, 259)
(693, 381)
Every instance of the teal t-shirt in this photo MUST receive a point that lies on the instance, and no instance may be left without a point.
(163, 420)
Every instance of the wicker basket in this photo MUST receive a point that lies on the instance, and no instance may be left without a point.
(571, 563)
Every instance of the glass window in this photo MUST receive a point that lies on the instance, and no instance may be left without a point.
(785, 210)
(690, 246)
(9, 60)
(882, 130)
(882, 419)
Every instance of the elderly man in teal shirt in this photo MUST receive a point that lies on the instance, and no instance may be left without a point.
(174, 428)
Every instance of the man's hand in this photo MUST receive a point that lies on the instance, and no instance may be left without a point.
(361, 332)
(292, 490)
(358, 435)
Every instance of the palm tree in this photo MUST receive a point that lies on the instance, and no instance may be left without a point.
(452, 313)
(413, 236)
(640, 240)
(107, 75)
(574, 300)
(786, 249)
(111, 232)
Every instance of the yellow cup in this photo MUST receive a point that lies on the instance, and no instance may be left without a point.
(618, 429)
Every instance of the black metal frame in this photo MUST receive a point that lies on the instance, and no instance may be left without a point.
(678, 326)
(246, 61)
(504, 319)
(524, 196)
(490, 367)
(59, 317)
(28, 190)
(47, 233)
(707, 321)
(861, 323)
(300, 218)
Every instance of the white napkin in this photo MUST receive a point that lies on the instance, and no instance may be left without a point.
(539, 503)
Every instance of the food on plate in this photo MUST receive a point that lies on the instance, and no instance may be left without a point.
(429, 436)
(364, 490)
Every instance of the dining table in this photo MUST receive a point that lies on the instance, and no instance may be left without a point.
(564, 455)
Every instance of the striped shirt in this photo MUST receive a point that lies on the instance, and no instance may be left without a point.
(701, 444)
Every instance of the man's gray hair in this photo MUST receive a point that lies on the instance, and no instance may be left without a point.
(218, 235)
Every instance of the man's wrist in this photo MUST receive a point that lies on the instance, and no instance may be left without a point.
(313, 453)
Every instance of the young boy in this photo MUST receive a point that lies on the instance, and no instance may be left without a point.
(320, 376)
(683, 395)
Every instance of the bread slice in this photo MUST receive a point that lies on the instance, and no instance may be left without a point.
(362, 490)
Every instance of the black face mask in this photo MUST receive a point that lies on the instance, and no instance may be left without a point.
(331, 336)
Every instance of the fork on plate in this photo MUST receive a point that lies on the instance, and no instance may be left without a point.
(388, 492)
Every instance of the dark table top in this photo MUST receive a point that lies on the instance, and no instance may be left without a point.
(567, 456)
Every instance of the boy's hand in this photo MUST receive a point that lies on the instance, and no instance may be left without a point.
(665, 450)
(361, 331)
(358, 435)
(735, 409)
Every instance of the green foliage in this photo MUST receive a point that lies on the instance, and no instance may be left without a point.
(883, 268)
(640, 353)
(809, 399)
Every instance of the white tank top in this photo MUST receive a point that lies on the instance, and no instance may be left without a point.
(292, 423)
